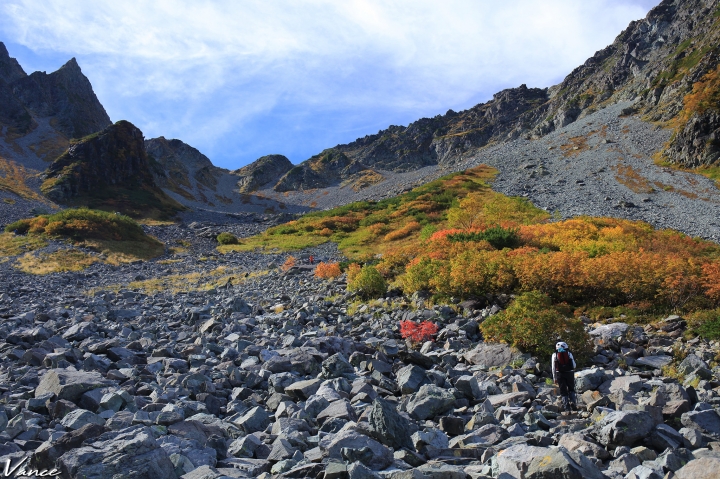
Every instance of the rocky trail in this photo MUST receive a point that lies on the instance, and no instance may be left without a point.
(258, 372)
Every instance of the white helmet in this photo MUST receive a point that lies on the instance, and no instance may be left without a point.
(561, 345)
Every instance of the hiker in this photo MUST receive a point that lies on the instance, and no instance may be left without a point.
(312, 260)
(563, 370)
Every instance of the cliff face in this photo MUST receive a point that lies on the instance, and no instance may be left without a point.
(667, 62)
(110, 170)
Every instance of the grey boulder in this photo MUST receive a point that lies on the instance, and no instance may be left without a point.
(132, 452)
(429, 401)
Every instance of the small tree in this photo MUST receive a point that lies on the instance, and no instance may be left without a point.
(368, 283)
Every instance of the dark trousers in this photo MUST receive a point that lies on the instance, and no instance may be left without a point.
(566, 381)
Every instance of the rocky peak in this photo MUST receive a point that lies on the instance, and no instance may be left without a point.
(66, 96)
(264, 170)
(10, 69)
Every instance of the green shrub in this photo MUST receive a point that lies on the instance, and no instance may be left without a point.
(705, 323)
(497, 236)
(227, 238)
(368, 283)
(533, 325)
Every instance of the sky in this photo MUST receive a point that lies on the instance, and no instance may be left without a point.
(239, 79)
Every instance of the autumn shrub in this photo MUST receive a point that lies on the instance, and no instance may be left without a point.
(419, 274)
(227, 238)
(418, 332)
(533, 325)
(327, 270)
(403, 232)
(352, 270)
(368, 283)
(290, 261)
(81, 224)
(325, 232)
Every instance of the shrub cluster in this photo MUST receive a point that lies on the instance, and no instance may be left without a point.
(532, 324)
(289, 263)
(227, 238)
(368, 283)
(81, 224)
(327, 270)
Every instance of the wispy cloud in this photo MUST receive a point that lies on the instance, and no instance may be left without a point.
(241, 79)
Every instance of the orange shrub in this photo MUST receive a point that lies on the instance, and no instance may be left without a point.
(325, 232)
(289, 263)
(327, 270)
(352, 271)
(403, 232)
(711, 280)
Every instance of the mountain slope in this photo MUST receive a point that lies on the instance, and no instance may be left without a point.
(656, 61)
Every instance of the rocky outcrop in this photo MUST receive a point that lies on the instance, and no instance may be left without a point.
(109, 168)
(326, 169)
(182, 169)
(264, 170)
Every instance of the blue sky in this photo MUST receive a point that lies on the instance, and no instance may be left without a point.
(242, 79)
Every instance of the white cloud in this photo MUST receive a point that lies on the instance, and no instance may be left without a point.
(202, 70)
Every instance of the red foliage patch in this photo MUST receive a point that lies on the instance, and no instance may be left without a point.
(418, 332)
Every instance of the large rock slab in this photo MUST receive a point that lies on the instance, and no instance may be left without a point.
(589, 379)
(377, 456)
(490, 355)
(429, 402)
(609, 332)
(515, 460)
(656, 362)
(703, 468)
(707, 422)
(388, 426)
(70, 384)
(131, 452)
(624, 428)
(561, 464)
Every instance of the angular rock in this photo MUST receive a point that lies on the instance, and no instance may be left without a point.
(429, 402)
(69, 384)
(490, 355)
(380, 456)
(623, 428)
(132, 452)
(388, 426)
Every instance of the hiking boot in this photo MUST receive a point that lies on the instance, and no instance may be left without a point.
(566, 404)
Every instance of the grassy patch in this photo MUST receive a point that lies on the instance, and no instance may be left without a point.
(201, 281)
(13, 178)
(368, 227)
(56, 262)
(630, 177)
(13, 245)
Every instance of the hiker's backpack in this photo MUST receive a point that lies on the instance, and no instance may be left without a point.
(563, 361)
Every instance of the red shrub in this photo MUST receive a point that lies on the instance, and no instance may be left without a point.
(418, 332)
